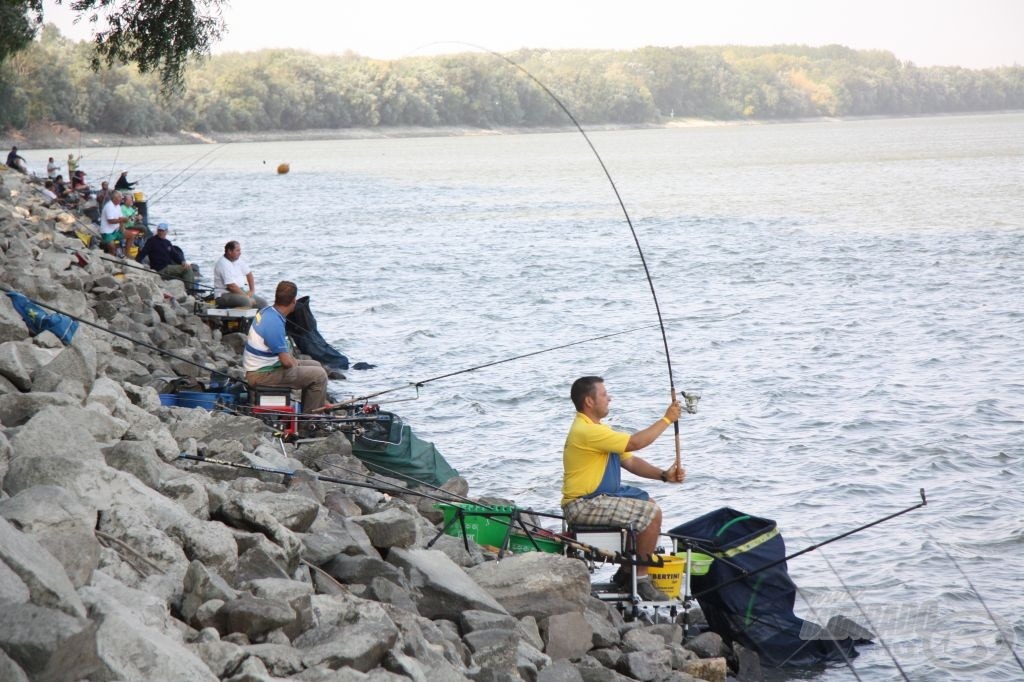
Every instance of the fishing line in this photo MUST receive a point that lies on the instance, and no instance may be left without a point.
(175, 176)
(114, 165)
(418, 384)
(864, 615)
(187, 178)
(992, 616)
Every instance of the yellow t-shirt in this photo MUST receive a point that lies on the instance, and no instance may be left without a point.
(585, 457)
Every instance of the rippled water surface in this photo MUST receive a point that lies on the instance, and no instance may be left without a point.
(848, 298)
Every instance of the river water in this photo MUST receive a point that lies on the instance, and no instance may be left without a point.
(848, 298)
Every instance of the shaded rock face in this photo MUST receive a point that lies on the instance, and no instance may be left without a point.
(120, 561)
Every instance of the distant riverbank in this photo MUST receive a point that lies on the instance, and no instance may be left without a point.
(53, 136)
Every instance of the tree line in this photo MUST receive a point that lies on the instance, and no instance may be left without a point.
(55, 80)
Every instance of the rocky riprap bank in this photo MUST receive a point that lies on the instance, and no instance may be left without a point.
(119, 561)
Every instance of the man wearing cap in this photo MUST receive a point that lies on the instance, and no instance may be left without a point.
(230, 275)
(166, 258)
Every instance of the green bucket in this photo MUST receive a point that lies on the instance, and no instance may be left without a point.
(700, 563)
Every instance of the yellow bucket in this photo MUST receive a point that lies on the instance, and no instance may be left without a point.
(668, 578)
(140, 197)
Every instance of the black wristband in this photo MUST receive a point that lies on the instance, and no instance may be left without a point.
(664, 476)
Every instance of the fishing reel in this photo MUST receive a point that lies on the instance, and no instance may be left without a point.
(690, 400)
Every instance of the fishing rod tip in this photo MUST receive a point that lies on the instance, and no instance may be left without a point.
(924, 500)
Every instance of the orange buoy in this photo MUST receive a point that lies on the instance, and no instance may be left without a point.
(283, 168)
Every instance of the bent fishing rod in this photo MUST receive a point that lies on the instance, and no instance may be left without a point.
(418, 384)
(629, 221)
(746, 574)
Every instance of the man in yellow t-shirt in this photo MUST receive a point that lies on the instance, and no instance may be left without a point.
(592, 493)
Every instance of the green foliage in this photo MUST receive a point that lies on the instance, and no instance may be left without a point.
(52, 80)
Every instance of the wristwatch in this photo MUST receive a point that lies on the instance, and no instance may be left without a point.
(664, 477)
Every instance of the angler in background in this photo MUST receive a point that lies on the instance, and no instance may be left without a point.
(166, 258)
(592, 493)
(16, 162)
(268, 360)
(122, 181)
(111, 221)
(230, 274)
(73, 164)
(52, 168)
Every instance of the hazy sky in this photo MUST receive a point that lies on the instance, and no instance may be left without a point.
(971, 33)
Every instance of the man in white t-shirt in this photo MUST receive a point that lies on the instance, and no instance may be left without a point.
(111, 221)
(52, 168)
(233, 281)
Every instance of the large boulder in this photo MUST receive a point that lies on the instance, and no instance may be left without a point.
(535, 583)
(445, 589)
(61, 523)
(122, 647)
(30, 634)
(44, 576)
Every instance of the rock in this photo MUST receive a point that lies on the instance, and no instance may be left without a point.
(388, 592)
(12, 327)
(140, 537)
(11, 671)
(640, 639)
(67, 431)
(446, 590)
(44, 576)
(389, 528)
(362, 569)
(247, 512)
(30, 634)
(121, 647)
(707, 645)
(61, 524)
(710, 669)
(493, 650)
(277, 589)
(199, 586)
(17, 408)
(566, 635)
(647, 665)
(335, 536)
(256, 564)
(361, 646)
(76, 363)
(535, 584)
(189, 492)
(472, 620)
(138, 458)
(279, 660)
(603, 633)
(748, 664)
(18, 359)
(254, 616)
(13, 589)
(560, 671)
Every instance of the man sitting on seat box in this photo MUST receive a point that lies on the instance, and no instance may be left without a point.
(267, 358)
(592, 494)
(166, 259)
(230, 273)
